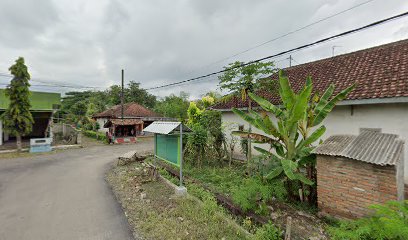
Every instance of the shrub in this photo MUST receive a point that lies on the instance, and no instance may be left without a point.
(390, 221)
(268, 232)
(253, 194)
(95, 135)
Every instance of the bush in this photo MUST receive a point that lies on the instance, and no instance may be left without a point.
(95, 135)
(268, 232)
(390, 221)
(253, 194)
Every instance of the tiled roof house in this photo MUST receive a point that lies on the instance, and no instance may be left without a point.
(133, 114)
(381, 74)
(380, 99)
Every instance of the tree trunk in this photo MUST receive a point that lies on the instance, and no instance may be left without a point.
(249, 157)
(18, 141)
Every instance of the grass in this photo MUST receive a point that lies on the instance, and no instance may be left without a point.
(164, 216)
(221, 179)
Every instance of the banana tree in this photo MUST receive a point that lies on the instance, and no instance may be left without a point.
(298, 126)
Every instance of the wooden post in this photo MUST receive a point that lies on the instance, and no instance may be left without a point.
(288, 228)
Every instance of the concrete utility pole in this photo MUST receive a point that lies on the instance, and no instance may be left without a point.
(121, 94)
(290, 60)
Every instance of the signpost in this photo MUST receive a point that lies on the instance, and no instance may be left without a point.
(168, 145)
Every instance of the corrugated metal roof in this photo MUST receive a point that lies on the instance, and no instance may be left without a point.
(165, 127)
(370, 146)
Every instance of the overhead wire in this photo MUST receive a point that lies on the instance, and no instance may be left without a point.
(284, 35)
(320, 41)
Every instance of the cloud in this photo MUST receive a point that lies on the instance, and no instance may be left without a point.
(159, 42)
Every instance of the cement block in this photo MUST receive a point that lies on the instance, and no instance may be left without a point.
(180, 191)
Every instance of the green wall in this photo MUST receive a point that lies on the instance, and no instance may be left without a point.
(40, 101)
(168, 148)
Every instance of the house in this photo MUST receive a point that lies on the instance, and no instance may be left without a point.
(43, 105)
(380, 99)
(135, 119)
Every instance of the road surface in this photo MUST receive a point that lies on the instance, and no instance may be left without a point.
(62, 196)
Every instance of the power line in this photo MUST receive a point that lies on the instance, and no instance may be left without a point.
(51, 84)
(285, 35)
(374, 24)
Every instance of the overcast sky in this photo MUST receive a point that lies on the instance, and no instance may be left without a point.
(87, 43)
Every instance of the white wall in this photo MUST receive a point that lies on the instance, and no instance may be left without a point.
(101, 122)
(391, 118)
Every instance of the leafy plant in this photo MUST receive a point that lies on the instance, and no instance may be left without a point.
(268, 232)
(241, 79)
(292, 137)
(253, 194)
(390, 221)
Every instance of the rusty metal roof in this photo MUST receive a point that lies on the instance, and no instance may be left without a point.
(370, 146)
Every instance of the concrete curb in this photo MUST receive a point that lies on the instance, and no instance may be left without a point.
(58, 147)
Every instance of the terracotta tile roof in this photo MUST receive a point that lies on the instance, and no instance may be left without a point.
(130, 110)
(122, 122)
(380, 72)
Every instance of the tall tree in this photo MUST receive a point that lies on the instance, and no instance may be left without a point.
(133, 93)
(174, 106)
(240, 80)
(17, 117)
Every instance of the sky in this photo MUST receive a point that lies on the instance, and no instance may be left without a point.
(87, 43)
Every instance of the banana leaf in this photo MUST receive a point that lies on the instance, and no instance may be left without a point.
(274, 173)
(322, 114)
(289, 167)
(303, 179)
(286, 93)
(267, 153)
(313, 137)
(265, 104)
(324, 99)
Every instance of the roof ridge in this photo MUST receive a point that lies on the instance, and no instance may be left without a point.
(387, 45)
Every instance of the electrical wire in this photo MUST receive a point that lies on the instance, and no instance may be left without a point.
(284, 35)
(355, 30)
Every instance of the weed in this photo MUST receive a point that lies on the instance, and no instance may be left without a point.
(268, 232)
(390, 221)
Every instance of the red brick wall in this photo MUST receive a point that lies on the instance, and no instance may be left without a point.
(346, 187)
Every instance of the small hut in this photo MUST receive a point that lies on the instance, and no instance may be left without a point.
(354, 172)
(122, 129)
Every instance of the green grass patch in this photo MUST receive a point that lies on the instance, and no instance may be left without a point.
(164, 216)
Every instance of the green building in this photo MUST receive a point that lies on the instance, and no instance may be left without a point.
(43, 105)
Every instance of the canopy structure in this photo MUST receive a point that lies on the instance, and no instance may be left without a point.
(168, 144)
(166, 127)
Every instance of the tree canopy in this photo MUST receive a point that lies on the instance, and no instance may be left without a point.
(17, 117)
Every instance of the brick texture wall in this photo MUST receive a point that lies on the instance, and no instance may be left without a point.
(346, 187)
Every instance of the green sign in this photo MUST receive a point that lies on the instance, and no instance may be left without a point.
(168, 148)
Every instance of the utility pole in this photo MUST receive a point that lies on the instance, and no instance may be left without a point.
(290, 60)
(121, 94)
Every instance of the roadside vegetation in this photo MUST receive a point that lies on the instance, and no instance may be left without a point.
(161, 215)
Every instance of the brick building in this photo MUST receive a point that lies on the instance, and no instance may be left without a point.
(354, 172)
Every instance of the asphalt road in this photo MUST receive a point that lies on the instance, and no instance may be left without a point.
(62, 196)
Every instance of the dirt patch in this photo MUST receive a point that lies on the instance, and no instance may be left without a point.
(154, 212)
